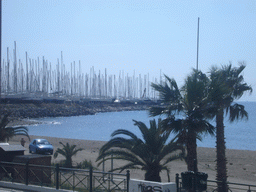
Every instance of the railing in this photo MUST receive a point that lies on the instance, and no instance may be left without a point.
(211, 185)
(90, 180)
(64, 178)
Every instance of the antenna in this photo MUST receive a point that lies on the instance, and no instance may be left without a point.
(197, 44)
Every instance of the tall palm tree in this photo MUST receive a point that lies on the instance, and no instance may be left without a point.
(7, 132)
(68, 151)
(184, 110)
(151, 154)
(226, 85)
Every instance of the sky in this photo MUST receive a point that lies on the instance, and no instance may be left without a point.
(146, 36)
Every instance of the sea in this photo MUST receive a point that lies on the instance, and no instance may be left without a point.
(239, 134)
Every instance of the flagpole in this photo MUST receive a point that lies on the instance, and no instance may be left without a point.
(0, 49)
(197, 44)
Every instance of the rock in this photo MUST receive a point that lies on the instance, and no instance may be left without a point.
(22, 111)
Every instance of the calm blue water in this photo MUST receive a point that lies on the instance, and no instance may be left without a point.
(239, 135)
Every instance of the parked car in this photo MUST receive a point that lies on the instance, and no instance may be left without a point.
(40, 146)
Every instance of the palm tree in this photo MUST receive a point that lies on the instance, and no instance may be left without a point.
(7, 132)
(184, 110)
(151, 154)
(226, 85)
(68, 152)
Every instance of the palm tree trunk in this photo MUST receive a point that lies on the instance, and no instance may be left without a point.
(153, 175)
(221, 156)
(192, 152)
(69, 161)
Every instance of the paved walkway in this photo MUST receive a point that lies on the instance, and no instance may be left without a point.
(10, 190)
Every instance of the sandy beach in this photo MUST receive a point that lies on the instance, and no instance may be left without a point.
(241, 163)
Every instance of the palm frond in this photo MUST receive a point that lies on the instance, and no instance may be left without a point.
(125, 167)
(8, 132)
(124, 132)
(179, 156)
(121, 143)
(237, 112)
(155, 111)
(119, 154)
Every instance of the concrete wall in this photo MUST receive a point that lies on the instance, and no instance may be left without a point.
(135, 186)
(149, 186)
(27, 188)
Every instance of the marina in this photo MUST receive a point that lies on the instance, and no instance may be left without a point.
(38, 78)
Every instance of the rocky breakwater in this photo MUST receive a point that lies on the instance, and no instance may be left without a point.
(22, 111)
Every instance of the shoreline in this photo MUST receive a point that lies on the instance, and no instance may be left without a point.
(240, 163)
(31, 123)
(24, 114)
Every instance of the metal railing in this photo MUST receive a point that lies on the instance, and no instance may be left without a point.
(90, 180)
(64, 178)
(211, 185)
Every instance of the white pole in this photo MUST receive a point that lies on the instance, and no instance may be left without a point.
(197, 44)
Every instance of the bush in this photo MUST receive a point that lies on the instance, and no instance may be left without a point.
(85, 165)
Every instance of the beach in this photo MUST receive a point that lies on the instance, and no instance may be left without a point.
(241, 163)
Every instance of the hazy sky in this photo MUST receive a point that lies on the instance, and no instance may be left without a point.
(142, 35)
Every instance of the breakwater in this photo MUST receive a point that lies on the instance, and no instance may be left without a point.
(21, 111)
